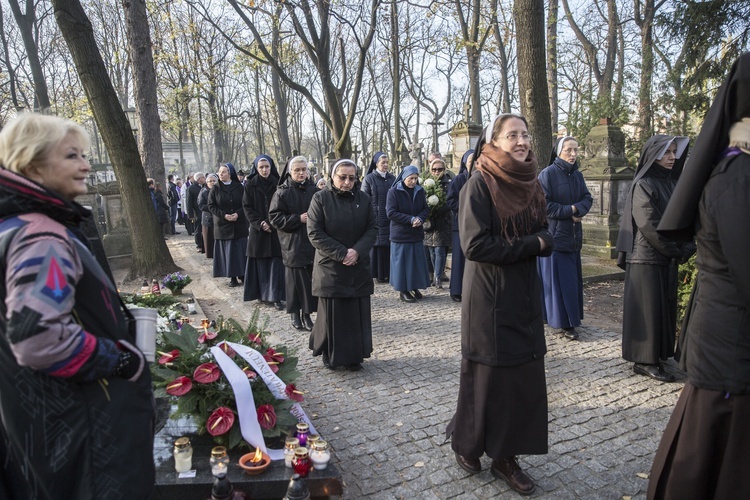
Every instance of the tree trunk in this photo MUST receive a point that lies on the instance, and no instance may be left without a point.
(144, 89)
(9, 67)
(26, 27)
(396, 65)
(532, 78)
(150, 254)
(278, 96)
(552, 61)
(645, 111)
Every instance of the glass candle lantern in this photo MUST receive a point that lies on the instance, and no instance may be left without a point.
(219, 461)
(183, 455)
(320, 456)
(291, 444)
(303, 431)
(301, 461)
(311, 440)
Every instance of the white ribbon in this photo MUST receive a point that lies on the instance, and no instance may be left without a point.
(243, 394)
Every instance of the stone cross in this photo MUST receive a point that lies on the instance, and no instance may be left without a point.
(467, 108)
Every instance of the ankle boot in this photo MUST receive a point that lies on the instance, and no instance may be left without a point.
(296, 322)
(307, 322)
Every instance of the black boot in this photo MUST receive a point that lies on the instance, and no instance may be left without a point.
(233, 282)
(296, 322)
(307, 321)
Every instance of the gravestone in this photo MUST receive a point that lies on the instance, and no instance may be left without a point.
(465, 136)
(608, 178)
(117, 240)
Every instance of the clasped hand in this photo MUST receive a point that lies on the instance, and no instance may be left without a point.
(351, 257)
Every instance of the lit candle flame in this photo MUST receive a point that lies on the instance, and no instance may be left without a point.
(257, 457)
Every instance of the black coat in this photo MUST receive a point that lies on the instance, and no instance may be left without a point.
(650, 195)
(291, 200)
(564, 187)
(173, 194)
(438, 231)
(453, 195)
(255, 202)
(191, 204)
(501, 312)
(336, 222)
(207, 219)
(162, 209)
(402, 207)
(377, 187)
(715, 342)
(227, 199)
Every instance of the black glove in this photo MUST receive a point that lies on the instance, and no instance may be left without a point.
(130, 363)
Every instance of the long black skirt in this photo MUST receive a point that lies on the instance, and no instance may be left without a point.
(208, 241)
(299, 295)
(705, 449)
(343, 328)
(264, 279)
(380, 262)
(649, 313)
(458, 261)
(229, 258)
(502, 411)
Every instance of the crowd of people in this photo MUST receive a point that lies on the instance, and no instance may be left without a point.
(318, 247)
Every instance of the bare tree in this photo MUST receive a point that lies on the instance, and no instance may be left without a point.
(532, 78)
(150, 254)
(552, 60)
(26, 21)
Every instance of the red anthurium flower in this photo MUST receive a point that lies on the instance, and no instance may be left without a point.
(255, 338)
(220, 421)
(271, 363)
(267, 416)
(250, 373)
(293, 394)
(179, 386)
(202, 338)
(211, 334)
(275, 356)
(227, 349)
(168, 357)
(207, 373)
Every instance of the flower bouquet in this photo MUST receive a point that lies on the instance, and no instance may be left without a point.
(176, 281)
(433, 190)
(189, 374)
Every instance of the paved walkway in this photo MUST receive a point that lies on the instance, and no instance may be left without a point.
(386, 423)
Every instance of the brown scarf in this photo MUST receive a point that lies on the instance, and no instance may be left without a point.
(516, 193)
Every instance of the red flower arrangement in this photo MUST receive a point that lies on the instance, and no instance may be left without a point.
(195, 382)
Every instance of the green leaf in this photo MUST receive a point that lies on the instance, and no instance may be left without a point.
(235, 436)
(187, 403)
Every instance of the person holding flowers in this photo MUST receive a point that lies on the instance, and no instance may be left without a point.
(407, 210)
(437, 231)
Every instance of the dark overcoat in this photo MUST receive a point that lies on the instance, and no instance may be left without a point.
(376, 187)
(256, 202)
(564, 187)
(336, 222)
(501, 313)
(227, 199)
(402, 207)
(291, 200)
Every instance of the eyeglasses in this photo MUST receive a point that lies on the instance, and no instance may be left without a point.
(514, 137)
(345, 178)
(438, 170)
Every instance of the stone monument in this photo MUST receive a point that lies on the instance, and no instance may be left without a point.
(608, 178)
(465, 136)
(117, 240)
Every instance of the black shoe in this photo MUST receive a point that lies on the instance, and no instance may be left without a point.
(354, 367)
(509, 471)
(296, 322)
(327, 361)
(279, 305)
(570, 333)
(177, 232)
(307, 322)
(655, 372)
(456, 298)
(233, 282)
(417, 294)
(407, 297)
(470, 465)
(382, 280)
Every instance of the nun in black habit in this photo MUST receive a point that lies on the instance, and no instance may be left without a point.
(705, 449)
(376, 184)
(457, 255)
(341, 227)
(651, 259)
(264, 272)
(288, 214)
